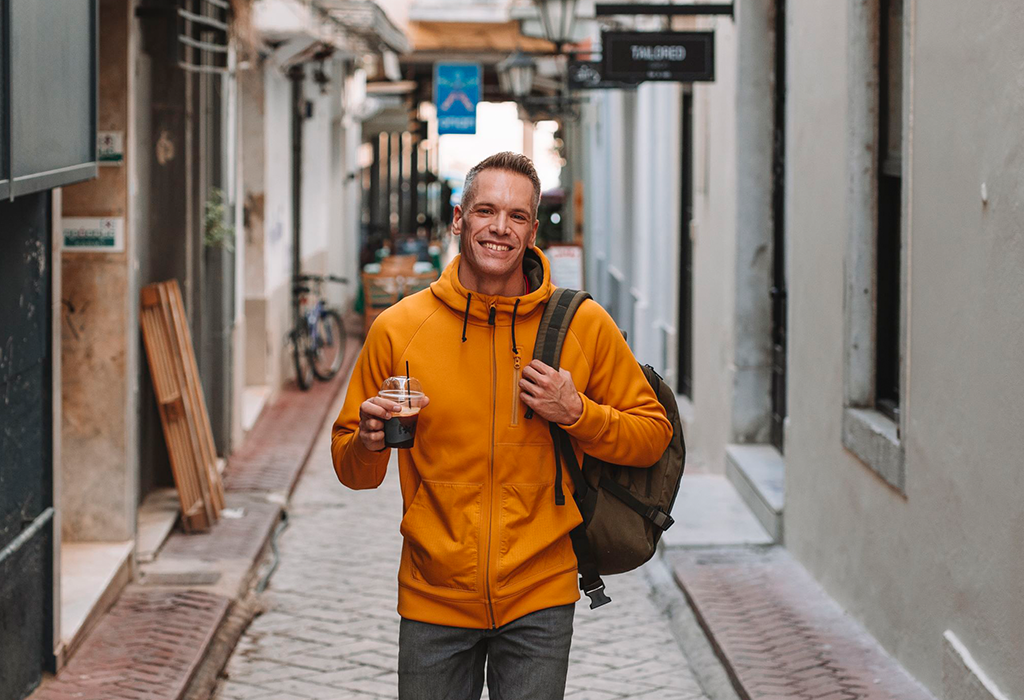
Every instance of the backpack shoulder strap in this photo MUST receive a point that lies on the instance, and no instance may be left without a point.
(554, 327)
(554, 324)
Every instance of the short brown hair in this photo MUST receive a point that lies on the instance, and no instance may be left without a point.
(510, 162)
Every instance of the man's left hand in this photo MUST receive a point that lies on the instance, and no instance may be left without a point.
(550, 394)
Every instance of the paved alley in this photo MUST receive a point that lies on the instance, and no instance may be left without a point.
(330, 629)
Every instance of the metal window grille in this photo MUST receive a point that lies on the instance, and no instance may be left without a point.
(203, 34)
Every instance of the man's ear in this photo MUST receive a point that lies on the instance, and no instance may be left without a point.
(457, 220)
(533, 233)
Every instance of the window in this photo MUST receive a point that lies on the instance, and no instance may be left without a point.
(685, 370)
(890, 169)
(778, 291)
(874, 265)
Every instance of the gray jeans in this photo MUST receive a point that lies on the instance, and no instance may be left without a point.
(527, 659)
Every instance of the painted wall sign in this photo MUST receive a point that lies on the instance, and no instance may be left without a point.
(94, 235)
(684, 57)
(457, 88)
(110, 147)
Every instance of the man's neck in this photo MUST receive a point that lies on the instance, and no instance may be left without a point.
(512, 286)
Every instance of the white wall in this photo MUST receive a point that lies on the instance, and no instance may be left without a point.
(947, 553)
(278, 235)
(631, 175)
(714, 256)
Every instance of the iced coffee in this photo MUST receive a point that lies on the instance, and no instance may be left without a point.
(400, 429)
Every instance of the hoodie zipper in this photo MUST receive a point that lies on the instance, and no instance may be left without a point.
(517, 373)
(494, 409)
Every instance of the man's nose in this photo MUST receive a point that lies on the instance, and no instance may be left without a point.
(501, 224)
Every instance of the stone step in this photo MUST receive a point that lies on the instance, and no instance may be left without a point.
(758, 473)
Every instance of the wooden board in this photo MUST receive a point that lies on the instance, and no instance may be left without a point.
(179, 395)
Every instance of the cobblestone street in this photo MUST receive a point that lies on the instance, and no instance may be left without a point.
(330, 629)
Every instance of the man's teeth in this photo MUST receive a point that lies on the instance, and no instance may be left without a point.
(495, 246)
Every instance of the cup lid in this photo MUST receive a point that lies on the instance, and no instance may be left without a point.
(401, 386)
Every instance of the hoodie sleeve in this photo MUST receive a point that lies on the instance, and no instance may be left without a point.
(356, 466)
(622, 421)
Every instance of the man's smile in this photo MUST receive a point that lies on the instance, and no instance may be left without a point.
(501, 247)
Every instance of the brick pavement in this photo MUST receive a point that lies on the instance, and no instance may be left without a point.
(779, 634)
(143, 649)
(330, 629)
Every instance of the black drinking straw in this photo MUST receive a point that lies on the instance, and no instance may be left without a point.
(408, 384)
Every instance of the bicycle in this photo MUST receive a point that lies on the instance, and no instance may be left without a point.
(318, 339)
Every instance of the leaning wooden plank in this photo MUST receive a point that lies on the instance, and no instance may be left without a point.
(194, 389)
(157, 342)
(178, 327)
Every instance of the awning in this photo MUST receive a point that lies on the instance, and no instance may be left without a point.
(349, 26)
(366, 21)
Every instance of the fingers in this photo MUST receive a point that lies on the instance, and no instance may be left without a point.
(377, 407)
(534, 375)
(373, 412)
(529, 387)
(540, 367)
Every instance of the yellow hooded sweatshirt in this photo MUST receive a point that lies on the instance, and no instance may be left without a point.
(484, 541)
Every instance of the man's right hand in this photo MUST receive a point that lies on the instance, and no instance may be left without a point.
(372, 414)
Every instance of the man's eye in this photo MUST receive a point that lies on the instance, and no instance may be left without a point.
(519, 217)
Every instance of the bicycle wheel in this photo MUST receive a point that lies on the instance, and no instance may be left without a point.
(330, 346)
(301, 352)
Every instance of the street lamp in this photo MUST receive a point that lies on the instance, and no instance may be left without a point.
(558, 18)
(515, 75)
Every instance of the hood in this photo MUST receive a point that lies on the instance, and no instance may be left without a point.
(475, 307)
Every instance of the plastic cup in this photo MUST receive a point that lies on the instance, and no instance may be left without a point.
(400, 429)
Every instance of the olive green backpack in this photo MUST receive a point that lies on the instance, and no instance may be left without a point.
(624, 509)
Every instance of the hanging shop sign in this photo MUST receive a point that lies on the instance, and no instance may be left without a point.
(457, 89)
(94, 235)
(586, 75)
(636, 57)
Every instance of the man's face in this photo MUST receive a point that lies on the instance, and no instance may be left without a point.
(497, 228)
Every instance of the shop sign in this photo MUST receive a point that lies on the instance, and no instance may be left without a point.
(457, 88)
(110, 147)
(565, 265)
(586, 75)
(95, 235)
(684, 57)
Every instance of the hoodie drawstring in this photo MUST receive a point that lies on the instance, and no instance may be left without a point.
(515, 308)
(465, 319)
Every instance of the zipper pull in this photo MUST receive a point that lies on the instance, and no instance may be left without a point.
(515, 361)
(491, 316)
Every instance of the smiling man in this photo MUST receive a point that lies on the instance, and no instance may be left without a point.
(487, 577)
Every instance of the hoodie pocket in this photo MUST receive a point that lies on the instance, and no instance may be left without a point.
(442, 531)
(534, 533)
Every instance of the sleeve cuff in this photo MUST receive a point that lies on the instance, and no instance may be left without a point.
(365, 456)
(591, 422)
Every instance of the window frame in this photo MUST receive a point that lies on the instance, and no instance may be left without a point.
(874, 437)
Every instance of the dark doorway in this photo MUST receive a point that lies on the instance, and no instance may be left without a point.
(26, 443)
(686, 255)
(778, 290)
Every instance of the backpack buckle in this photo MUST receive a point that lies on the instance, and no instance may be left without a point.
(597, 595)
(660, 519)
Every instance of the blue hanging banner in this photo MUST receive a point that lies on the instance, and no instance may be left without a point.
(457, 89)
